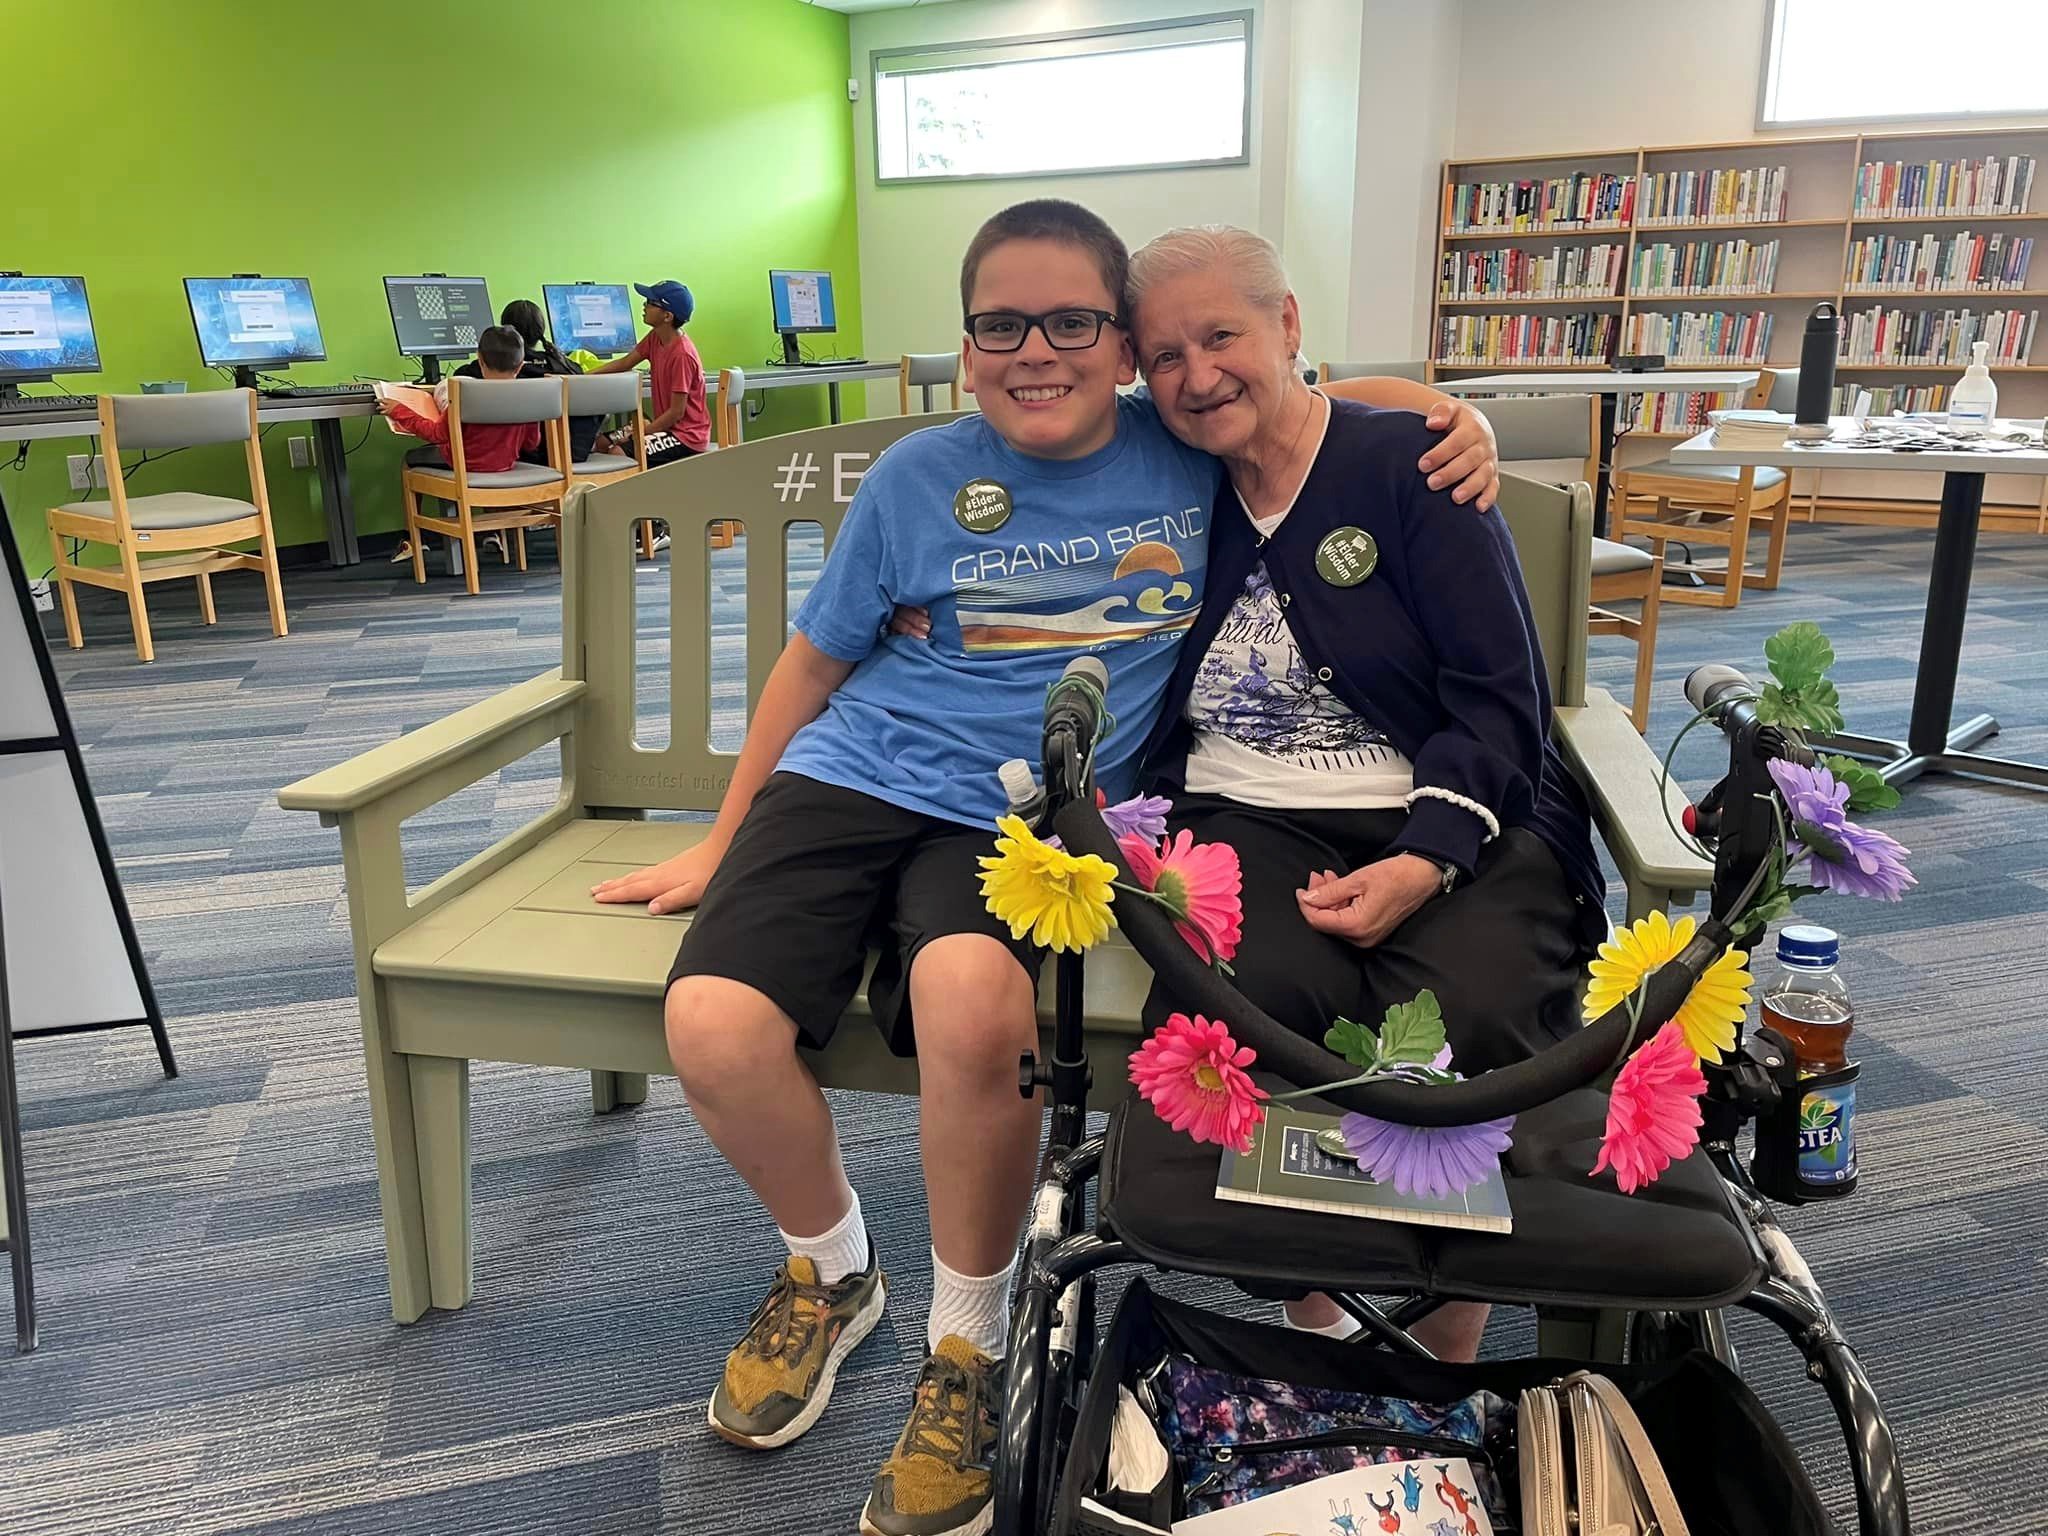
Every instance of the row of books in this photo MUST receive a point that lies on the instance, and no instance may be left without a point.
(1712, 197)
(1895, 189)
(1700, 336)
(1703, 266)
(1883, 399)
(1596, 198)
(1937, 336)
(1501, 339)
(1903, 264)
(1582, 272)
(1682, 412)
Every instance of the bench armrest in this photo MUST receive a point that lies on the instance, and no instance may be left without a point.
(383, 771)
(1620, 774)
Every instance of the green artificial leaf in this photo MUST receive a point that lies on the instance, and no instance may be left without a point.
(1354, 1042)
(1799, 655)
(1774, 706)
(1414, 1031)
(1774, 903)
(1820, 708)
(1867, 788)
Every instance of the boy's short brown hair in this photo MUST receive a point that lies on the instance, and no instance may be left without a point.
(501, 347)
(1050, 218)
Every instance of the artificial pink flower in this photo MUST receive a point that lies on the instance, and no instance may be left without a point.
(1198, 883)
(1193, 1075)
(1653, 1114)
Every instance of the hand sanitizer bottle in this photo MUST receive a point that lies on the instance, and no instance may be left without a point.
(1974, 402)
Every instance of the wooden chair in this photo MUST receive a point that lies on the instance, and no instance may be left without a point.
(516, 499)
(609, 394)
(1338, 372)
(507, 958)
(1557, 438)
(1713, 504)
(927, 371)
(180, 532)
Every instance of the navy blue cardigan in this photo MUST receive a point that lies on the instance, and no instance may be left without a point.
(1437, 648)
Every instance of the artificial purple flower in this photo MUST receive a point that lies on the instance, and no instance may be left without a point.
(1142, 816)
(1846, 857)
(1433, 1160)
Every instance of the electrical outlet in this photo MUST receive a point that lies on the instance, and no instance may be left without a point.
(39, 592)
(301, 452)
(83, 478)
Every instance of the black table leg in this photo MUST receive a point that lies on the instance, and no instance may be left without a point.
(1610, 407)
(1932, 745)
(832, 394)
(14, 1178)
(334, 496)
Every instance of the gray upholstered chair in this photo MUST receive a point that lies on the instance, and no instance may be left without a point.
(522, 497)
(928, 371)
(1714, 504)
(1557, 438)
(172, 534)
(609, 394)
(1336, 372)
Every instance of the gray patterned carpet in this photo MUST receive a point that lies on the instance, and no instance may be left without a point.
(217, 1351)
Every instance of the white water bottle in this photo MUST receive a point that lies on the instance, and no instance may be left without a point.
(1974, 402)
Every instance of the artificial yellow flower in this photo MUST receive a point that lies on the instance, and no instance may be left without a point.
(1060, 899)
(1716, 1004)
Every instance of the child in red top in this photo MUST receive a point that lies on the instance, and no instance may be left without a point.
(675, 371)
(486, 446)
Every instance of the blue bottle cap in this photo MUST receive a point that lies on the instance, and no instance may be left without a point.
(1804, 944)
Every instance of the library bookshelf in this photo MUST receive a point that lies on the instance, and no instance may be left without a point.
(1604, 277)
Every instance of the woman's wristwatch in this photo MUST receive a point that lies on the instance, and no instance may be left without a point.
(1449, 873)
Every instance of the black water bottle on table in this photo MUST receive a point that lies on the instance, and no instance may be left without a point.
(1817, 355)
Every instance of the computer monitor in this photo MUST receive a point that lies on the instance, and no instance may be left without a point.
(45, 330)
(248, 321)
(802, 302)
(436, 316)
(592, 317)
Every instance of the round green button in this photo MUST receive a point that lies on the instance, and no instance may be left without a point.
(1346, 556)
(981, 506)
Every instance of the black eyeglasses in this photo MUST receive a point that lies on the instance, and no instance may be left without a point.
(1065, 330)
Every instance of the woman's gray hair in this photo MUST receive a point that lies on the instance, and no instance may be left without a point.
(1251, 259)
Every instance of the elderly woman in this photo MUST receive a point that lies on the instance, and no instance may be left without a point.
(1360, 709)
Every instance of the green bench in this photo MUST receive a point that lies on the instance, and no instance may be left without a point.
(506, 957)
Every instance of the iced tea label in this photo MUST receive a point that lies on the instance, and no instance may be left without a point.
(1827, 1147)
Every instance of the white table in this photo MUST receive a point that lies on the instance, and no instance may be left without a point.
(1610, 385)
(782, 376)
(1931, 746)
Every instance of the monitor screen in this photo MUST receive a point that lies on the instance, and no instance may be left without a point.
(46, 327)
(595, 317)
(802, 301)
(438, 316)
(243, 321)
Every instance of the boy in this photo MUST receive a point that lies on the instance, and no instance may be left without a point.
(867, 789)
(675, 371)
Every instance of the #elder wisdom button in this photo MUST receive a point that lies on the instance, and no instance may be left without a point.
(981, 506)
(1346, 556)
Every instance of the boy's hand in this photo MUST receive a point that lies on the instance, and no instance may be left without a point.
(1467, 458)
(673, 885)
(913, 622)
(386, 407)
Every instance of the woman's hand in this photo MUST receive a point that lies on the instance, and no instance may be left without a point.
(1467, 458)
(913, 622)
(1369, 903)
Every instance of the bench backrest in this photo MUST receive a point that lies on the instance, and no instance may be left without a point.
(769, 486)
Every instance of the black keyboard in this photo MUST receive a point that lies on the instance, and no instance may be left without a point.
(48, 403)
(317, 391)
(832, 362)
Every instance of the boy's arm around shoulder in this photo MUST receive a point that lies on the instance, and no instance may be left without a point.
(794, 695)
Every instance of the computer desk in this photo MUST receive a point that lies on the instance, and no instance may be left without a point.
(782, 376)
(330, 454)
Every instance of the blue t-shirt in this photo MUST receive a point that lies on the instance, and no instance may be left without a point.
(1104, 554)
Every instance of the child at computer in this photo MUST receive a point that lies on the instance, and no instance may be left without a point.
(487, 446)
(864, 794)
(543, 360)
(682, 423)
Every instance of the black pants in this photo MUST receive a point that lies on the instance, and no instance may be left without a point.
(670, 454)
(1502, 952)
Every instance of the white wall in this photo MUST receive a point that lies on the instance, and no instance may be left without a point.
(911, 237)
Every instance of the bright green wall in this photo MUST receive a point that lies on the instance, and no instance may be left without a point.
(530, 141)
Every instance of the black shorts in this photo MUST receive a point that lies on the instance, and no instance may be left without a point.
(815, 878)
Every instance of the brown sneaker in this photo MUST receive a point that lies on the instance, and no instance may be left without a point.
(939, 1481)
(779, 1377)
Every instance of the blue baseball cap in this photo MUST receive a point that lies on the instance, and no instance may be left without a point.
(671, 296)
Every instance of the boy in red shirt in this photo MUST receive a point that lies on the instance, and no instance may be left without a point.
(486, 446)
(675, 371)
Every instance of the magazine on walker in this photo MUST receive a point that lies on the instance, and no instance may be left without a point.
(1414, 1498)
(1286, 1167)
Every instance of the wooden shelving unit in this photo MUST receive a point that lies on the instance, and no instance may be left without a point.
(1816, 235)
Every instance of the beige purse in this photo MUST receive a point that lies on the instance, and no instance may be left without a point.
(1588, 1469)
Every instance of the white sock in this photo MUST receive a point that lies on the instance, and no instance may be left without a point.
(977, 1308)
(840, 1250)
(1343, 1328)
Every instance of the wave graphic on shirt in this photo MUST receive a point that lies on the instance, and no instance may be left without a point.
(1149, 595)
